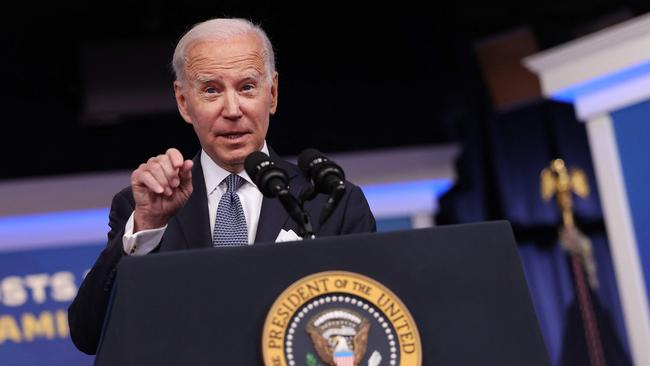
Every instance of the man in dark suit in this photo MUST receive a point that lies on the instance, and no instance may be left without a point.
(227, 88)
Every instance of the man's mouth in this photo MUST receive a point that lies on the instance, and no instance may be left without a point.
(233, 135)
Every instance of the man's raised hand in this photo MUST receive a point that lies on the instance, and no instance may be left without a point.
(160, 187)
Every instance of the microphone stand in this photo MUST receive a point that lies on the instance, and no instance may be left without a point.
(310, 193)
(331, 203)
(297, 212)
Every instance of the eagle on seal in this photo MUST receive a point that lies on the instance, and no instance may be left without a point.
(326, 346)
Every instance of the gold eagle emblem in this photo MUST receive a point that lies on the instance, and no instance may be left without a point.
(338, 329)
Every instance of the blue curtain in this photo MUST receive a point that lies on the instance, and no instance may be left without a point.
(498, 178)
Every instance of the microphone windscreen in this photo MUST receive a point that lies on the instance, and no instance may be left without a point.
(254, 164)
(306, 158)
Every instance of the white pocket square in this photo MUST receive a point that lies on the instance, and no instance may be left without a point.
(287, 236)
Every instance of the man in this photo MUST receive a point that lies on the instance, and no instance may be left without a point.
(227, 88)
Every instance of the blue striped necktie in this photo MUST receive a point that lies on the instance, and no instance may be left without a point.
(230, 223)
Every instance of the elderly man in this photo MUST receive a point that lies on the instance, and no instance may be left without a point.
(227, 88)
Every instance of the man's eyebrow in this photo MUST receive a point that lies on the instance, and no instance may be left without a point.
(205, 79)
(251, 76)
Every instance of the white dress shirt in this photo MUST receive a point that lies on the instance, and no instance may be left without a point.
(145, 241)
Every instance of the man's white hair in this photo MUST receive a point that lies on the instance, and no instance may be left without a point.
(220, 29)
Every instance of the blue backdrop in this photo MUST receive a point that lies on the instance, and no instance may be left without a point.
(499, 178)
(36, 287)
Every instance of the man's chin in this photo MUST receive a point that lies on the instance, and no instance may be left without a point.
(233, 159)
(233, 163)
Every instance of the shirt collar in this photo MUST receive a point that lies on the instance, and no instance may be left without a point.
(213, 174)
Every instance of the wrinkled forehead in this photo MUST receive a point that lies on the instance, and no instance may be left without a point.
(243, 54)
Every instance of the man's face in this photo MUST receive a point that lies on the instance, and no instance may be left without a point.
(228, 98)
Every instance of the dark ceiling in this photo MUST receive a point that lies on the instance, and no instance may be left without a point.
(361, 77)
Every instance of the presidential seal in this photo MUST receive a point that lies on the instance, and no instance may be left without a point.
(340, 318)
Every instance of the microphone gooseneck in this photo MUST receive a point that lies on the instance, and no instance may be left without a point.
(273, 182)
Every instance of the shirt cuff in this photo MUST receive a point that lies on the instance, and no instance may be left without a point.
(142, 242)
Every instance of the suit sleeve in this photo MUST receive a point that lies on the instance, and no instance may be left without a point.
(87, 311)
(357, 217)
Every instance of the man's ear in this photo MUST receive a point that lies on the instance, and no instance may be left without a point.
(274, 93)
(181, 101)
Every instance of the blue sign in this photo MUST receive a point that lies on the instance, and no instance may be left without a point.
(36, 288)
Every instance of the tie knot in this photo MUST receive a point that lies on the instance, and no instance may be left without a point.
(233, 182)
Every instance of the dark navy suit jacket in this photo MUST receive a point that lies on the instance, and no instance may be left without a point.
(189, 229)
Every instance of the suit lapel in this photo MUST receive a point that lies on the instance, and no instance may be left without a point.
(273, 216)
(272, 219)
(194, 219)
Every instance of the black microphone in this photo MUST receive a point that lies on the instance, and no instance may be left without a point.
(273, 181)
(327, 177)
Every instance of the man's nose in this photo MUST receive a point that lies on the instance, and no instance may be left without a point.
(232, 107)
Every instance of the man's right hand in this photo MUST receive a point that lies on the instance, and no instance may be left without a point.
(160, 188)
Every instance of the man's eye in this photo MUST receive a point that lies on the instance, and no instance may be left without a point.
(248, 87)
(211, 90)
